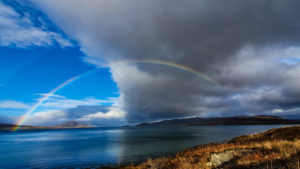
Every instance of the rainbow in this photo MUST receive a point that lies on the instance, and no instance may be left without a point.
(46, 97)
(173, 65)
(71, 80)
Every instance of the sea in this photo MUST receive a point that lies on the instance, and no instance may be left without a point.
(94, 147)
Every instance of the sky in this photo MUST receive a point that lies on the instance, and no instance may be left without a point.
(117, 62)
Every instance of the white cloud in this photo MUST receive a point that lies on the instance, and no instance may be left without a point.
(60, 102)
(113, 117)
(277, 111)
(48, 117)
(113, 113)
(12, 104)
(58, 109)
(260, 65)
(19, 31)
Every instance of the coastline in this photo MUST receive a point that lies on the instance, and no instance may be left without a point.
(275, 148)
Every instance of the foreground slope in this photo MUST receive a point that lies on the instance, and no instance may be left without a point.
(276, 148)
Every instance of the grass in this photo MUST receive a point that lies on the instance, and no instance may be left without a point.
(274, 149)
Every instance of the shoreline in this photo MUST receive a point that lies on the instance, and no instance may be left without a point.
(37, 128)
(275, 148)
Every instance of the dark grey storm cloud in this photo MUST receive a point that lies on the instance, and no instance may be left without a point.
(243, 45)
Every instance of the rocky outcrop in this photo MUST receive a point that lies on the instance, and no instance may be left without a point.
(217, 159)
(220, 158)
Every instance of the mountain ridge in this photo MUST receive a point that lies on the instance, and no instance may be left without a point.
(232, 120)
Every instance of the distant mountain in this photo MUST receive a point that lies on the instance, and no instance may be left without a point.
(236, 120)
(71, 124)
(5, 126)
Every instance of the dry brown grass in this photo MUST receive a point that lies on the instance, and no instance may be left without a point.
(262, 155)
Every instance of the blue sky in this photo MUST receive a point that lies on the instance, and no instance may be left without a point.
(32, 67)
(25, 73)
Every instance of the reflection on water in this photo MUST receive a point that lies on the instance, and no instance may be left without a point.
(84, 147)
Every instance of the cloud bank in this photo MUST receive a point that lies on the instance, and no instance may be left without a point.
(58, 109)
(251, 48)
(97, 115)
(17, 29)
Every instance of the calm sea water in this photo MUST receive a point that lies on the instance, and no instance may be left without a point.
(91, 147)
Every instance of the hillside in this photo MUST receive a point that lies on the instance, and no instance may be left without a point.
(236, 120)
(273, 149)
